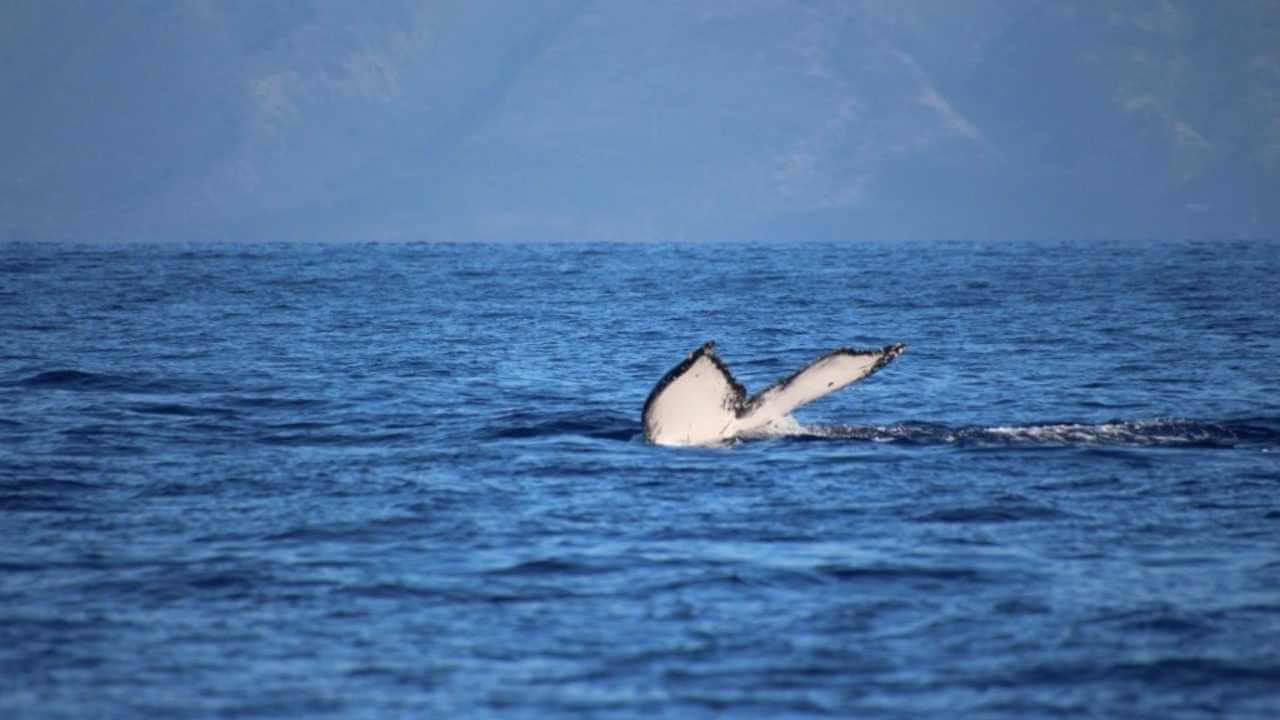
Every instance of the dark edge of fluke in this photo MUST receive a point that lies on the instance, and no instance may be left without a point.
(708, 349)
(887, 355)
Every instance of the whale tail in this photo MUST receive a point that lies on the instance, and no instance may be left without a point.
(698, 402)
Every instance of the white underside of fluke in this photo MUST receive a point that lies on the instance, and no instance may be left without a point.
(699, 403)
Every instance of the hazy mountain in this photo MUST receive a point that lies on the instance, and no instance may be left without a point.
(612, 120)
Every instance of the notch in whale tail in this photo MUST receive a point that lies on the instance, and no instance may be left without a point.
(698, 402)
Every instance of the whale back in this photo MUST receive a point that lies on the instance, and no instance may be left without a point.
(696, 403)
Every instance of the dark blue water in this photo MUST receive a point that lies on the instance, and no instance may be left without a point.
(373, 481)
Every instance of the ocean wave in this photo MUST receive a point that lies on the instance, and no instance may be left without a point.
(602, 425)
(71, 379)
(68, 379)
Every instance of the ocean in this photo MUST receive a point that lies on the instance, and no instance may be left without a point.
(409, 480)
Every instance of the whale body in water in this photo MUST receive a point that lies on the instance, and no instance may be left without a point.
(699, 403)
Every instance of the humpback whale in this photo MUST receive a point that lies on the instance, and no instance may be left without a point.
(699, 403)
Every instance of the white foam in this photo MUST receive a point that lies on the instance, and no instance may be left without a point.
(1162, 431)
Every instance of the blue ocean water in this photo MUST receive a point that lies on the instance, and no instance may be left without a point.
(408, 480)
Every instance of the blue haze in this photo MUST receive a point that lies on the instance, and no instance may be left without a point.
(657, 121)
(287, 480)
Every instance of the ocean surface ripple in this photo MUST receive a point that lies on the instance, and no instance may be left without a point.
(387, 480)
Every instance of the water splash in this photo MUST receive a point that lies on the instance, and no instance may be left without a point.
(1160, 432)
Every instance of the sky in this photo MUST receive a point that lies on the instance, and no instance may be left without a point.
(661, 121)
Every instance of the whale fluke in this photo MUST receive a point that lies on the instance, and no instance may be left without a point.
(699, 403)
